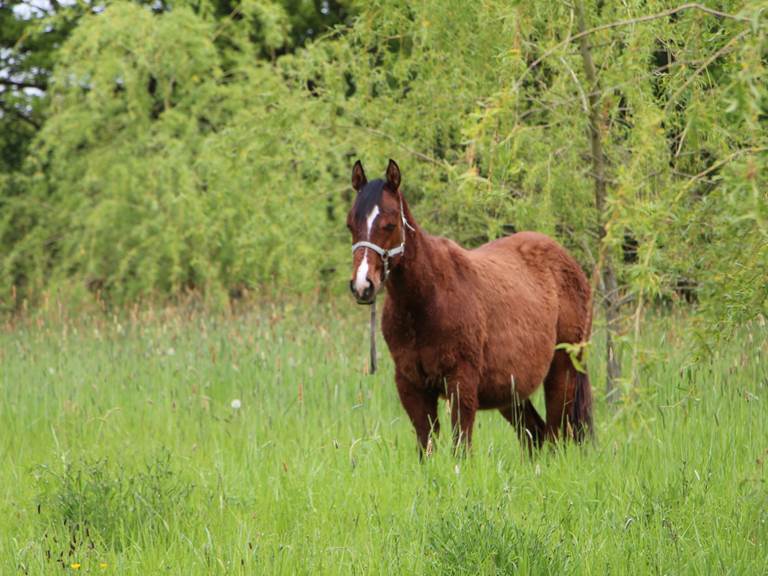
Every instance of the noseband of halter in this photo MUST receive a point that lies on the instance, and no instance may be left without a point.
(384, 254)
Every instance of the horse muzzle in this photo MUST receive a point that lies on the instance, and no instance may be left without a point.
(363, 294)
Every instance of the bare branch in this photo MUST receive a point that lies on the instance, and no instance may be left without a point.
(584, 103)
(21, 84)
(9, 109)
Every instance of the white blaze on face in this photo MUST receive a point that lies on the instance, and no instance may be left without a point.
(371, 219)
(361, 277)
(361, 281)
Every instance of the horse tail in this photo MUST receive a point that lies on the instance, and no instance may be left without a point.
(581, 408)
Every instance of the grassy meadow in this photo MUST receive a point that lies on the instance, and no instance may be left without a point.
(123, 453)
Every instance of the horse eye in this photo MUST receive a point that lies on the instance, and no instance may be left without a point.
(389, 227)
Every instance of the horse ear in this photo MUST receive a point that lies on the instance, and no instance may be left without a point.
(393, 175)
(358, 176)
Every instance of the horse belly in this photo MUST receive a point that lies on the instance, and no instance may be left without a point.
(516, 364)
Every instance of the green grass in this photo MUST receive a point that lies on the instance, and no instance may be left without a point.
(121, 452)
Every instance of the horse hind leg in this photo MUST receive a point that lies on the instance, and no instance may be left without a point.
(568, 396)
(526, 420)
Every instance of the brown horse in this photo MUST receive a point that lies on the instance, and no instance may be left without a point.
(479, 327)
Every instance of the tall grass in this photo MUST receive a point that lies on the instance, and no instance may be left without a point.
(123, 453)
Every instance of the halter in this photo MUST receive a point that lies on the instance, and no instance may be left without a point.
(384, 254)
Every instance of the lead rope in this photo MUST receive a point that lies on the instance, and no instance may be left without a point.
(373, 337)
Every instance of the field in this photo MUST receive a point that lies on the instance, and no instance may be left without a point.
(123, 453)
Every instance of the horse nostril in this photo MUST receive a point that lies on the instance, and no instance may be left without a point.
(352, 286)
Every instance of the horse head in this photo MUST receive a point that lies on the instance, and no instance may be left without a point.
(377, 223)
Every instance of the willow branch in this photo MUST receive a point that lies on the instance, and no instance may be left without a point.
(628, 22)
(719, 164)
(416, 153)
(724, 50)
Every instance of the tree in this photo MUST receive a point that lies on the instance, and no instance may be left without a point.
(175, 156)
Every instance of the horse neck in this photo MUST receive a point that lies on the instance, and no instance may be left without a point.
(411, 282)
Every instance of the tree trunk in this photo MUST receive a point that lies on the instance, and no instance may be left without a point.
(610, 295)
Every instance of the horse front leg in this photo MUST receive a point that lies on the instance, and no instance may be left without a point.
(461, 390)
(421, 406)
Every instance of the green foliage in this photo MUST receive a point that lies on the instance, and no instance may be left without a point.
(203, 148)
(105, 211)
(576, 352)
(499, 130)
(154, 176)
(28, 51)
(732, 215)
